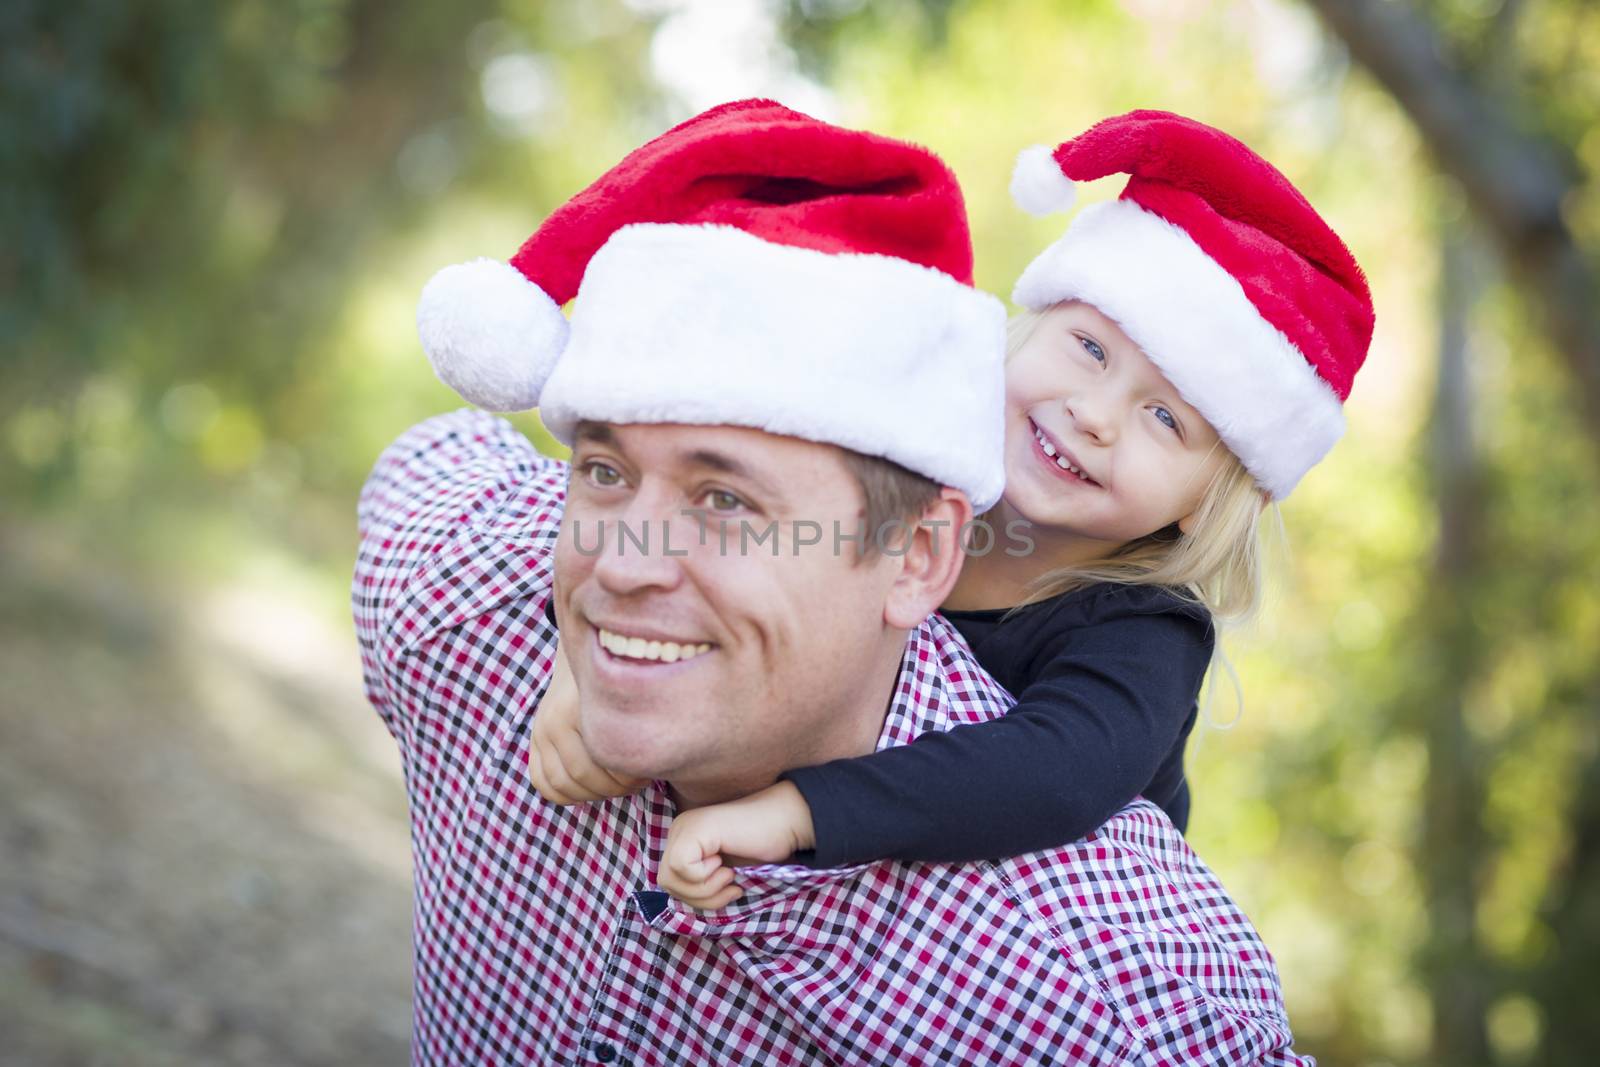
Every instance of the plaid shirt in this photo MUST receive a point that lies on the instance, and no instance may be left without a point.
(540, 935)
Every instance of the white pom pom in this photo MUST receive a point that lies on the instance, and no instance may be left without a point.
(491, 334)
(1037, 184)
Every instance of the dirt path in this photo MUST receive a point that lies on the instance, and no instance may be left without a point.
(203, 855)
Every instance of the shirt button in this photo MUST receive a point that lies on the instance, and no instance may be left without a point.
(604, 1052)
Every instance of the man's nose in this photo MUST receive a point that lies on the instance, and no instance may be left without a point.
(642, 549)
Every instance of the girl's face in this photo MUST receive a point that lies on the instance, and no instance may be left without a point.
(1100, 448)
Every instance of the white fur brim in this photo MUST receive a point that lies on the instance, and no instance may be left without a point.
(710, 325)
(1194, 321)
(491, 334)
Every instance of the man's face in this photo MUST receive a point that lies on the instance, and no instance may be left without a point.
(701, 657)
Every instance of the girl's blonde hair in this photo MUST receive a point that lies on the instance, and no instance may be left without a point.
(1217, 562)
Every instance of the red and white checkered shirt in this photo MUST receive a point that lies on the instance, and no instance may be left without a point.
(540, 935)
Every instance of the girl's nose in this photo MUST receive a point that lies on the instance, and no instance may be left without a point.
(1092, 416)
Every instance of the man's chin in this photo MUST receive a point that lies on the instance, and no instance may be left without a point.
(628, 748)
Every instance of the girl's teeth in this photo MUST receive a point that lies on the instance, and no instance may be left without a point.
(1064, 465)
(1050, 450)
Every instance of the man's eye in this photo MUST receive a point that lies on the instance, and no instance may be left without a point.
(720, 500)
(1094, 350)
(602, 474)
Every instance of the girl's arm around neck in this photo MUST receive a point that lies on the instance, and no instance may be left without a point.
(1108, 701)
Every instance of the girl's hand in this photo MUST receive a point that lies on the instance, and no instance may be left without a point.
(558, 763)
(705, 844)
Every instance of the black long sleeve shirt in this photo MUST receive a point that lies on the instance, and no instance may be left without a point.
(1106, 678)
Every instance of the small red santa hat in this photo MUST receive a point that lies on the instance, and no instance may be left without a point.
(750, 267)
(1219, 270)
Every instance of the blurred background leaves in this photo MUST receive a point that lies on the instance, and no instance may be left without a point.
(217, 218)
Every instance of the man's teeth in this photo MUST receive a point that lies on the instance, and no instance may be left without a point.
(1050, 450)
(639, 648)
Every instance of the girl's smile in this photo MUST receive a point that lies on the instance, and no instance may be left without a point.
(1058, 459)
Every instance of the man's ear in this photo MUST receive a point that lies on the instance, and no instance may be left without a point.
(931, 562)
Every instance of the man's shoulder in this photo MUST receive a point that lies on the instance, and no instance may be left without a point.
(462, 464)
(941, 685)
(1134, 906)
(459, 514)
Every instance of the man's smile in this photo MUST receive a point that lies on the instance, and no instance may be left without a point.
(649, 649)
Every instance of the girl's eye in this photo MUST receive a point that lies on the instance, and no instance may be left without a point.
(1093, 348)
(720, 500)
(602, 475)
(1168, 420)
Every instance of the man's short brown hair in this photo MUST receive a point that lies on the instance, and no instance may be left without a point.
(890, 492)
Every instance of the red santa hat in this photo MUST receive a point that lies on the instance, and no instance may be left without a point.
(1221, 272)
(751, 267)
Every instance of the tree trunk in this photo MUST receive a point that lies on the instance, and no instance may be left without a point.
(1516, 181)
(1566, 985)
(1451, 853)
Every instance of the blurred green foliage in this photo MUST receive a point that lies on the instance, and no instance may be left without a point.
(218, 217)
(198, 198)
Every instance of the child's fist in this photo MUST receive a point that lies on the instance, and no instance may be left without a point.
(558, 763)
(705, 844)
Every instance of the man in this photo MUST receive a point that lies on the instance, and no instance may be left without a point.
(786, 352)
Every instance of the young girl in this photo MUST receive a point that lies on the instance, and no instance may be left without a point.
(1183, 361)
